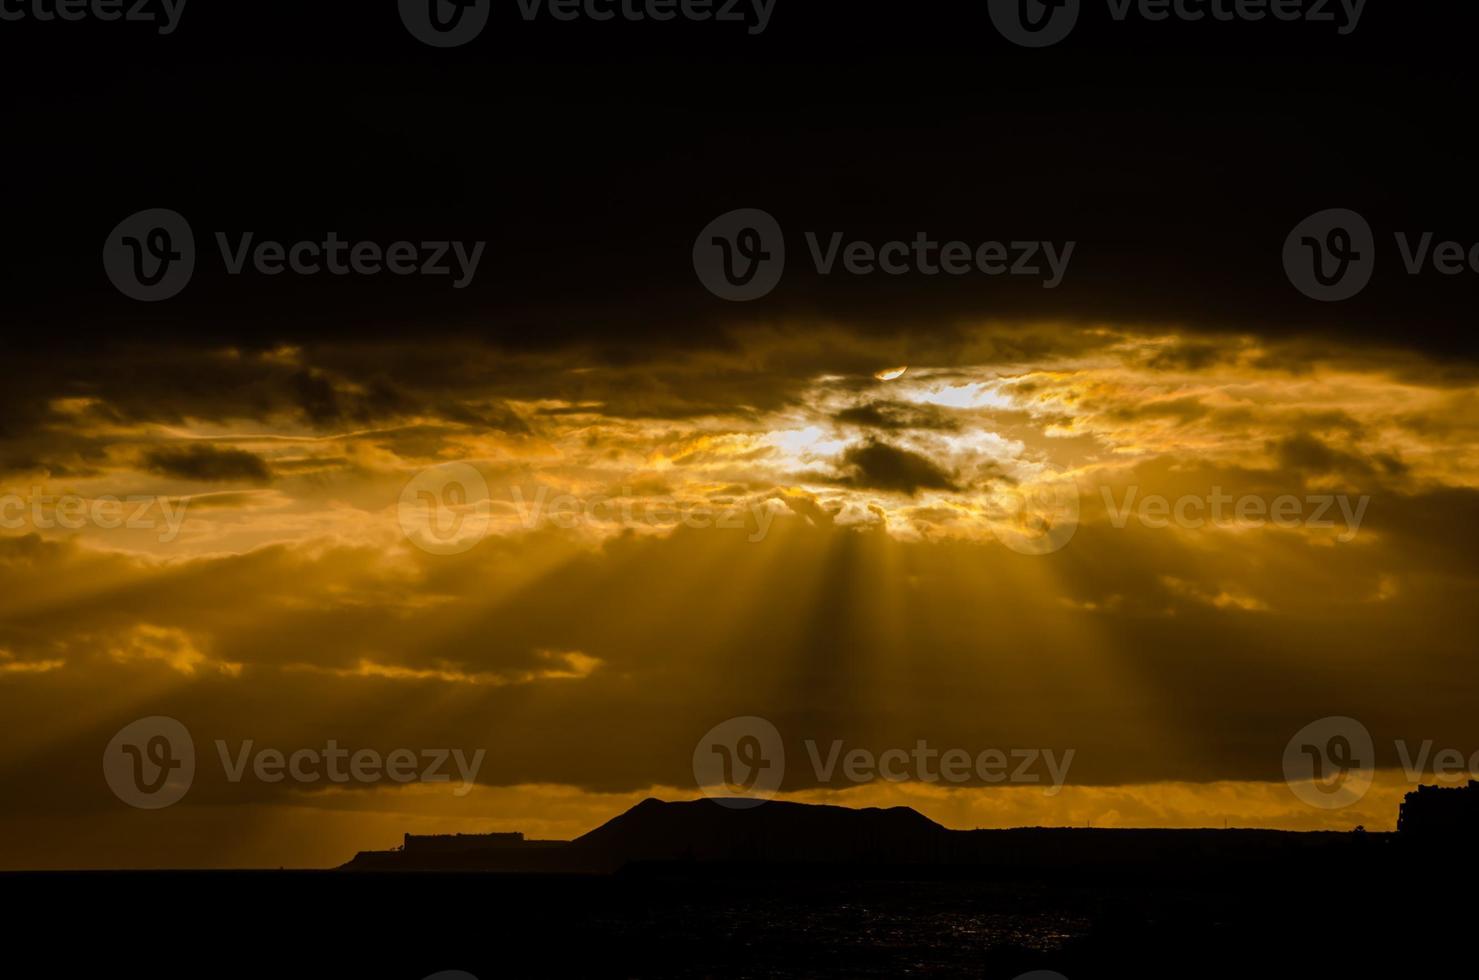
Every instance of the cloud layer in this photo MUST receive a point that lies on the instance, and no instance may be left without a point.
(965, 554)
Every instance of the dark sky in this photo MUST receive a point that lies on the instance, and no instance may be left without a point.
(588, 155)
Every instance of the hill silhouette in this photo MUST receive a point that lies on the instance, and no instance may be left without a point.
(708, 833)
(700, 831)
(777, 832)
(785, 889)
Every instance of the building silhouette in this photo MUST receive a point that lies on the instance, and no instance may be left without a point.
(1439, 811)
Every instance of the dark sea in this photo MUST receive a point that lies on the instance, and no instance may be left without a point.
(411, 926)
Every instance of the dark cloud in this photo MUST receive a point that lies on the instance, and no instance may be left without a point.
(1183, 410)
(1192, 356)
(208, 464)
(1307, 454)
(879, 466)
(892, 416)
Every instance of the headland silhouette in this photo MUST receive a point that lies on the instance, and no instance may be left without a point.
(699, 890)
(711, 835)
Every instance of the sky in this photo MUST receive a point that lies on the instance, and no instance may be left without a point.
(768, 531)
(565, 523)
